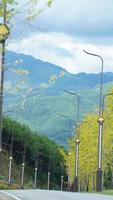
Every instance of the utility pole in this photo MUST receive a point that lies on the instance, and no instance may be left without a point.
(4, 33)
(3, 36)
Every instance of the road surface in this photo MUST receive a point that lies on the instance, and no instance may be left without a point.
(52, 195)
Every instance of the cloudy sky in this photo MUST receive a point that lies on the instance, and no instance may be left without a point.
(61, 32)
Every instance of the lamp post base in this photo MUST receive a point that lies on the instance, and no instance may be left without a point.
(68, 188)
(75, 184)
(99, 181)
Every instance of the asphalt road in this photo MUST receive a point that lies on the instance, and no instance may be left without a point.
(53, 195)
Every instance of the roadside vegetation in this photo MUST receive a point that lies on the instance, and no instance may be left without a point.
(88, 149)
(37, 150)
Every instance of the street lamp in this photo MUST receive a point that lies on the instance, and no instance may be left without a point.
(62, 177)
(23, 166)
(49, 168)
(62, 181)
(36, 170)
(106, 95)
(35, 182)
(76, 166)
(48, 182)
(69, 172)
(76, 142)
(10, 168)
(70, 120)
(22, 177)
(10, 159)
(100, 122)
(78, 104)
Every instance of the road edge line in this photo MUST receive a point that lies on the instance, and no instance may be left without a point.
(10, 195)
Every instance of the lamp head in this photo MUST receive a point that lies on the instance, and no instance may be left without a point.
(100, 120)
(23, 164)
(10, 158)
(77, 141)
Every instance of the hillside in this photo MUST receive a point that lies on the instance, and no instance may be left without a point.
(40, 152)
(37, 98)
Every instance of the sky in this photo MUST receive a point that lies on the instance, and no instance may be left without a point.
(60, 33)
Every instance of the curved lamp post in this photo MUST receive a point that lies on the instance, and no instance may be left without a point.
(65, 116)
(78, 104)
(100, 122)
(77, 142)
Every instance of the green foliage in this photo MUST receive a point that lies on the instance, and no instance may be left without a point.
(107, 192)
(50, 3)
(4, 186)
(108, 178)
(31, 11)
(48, 152)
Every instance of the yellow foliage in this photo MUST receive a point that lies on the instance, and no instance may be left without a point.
(88, 147)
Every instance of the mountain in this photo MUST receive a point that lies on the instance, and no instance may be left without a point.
(41, 72)
(34, 92)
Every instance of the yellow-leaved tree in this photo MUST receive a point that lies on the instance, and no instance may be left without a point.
(88, 147)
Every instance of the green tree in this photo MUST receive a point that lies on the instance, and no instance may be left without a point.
(49, 155)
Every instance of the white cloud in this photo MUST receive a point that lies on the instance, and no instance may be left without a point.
(65, 51)
(72, 25)
(79, 17)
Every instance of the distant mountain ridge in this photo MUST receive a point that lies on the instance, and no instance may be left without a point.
(40, 72)
(42, 106)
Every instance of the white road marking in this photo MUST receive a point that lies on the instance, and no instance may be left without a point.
(10, 195)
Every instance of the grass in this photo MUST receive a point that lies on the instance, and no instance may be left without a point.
(108, 192)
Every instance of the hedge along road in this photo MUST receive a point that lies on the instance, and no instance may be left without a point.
(52, 195)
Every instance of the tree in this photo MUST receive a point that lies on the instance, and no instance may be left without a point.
(49, 153)
(88, 151)
(9, 8)
(29, 8)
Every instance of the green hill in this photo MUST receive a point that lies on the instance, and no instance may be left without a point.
(40, 152)
(44, 114)
(36, 97)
